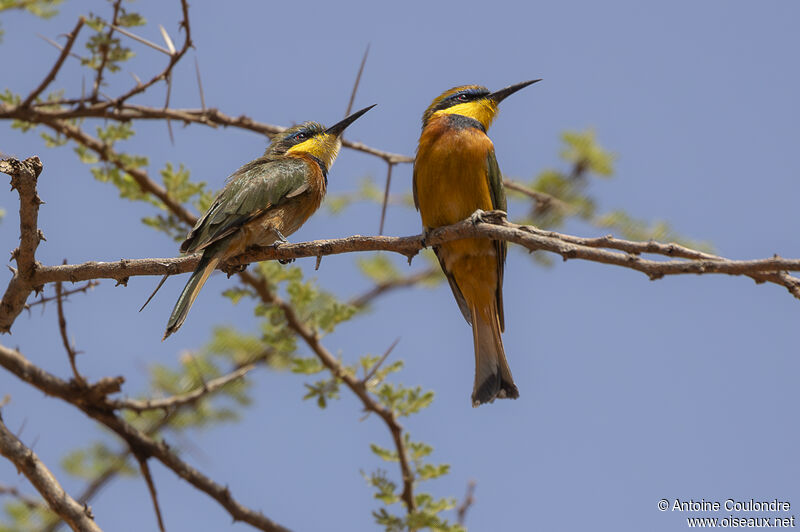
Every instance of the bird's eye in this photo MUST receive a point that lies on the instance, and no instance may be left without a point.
(462, 98)
(300, 136)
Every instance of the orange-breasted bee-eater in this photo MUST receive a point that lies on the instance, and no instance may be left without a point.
(456, 176)
(263, 202)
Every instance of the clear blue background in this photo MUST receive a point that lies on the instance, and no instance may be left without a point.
(631, 390)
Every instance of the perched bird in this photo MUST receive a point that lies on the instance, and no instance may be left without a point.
(263, 202)
(455, 177)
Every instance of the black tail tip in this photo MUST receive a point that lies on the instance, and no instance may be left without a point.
(494, 387)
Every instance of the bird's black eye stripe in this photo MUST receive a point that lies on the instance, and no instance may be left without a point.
(467, 95)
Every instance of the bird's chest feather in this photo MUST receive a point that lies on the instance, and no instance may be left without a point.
(290, 215)
(451, 174)
(286, 217)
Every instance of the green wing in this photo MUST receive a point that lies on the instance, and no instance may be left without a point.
(498, 193)
(251, 190)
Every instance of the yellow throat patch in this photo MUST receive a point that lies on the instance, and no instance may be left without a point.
(483, 110)
(323, 146)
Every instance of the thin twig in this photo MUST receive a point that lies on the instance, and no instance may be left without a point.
(381, 288)
(107, 154)
(151, 487)
(200, 84)
(29, 502)
(311, 338)
(59, 47)
(95, 405)
(173, 60)
(542, 199)
(379, 363)
(98, 80)
(466, 504)
(385, 197)
(66, 293)
(78, 517)
(62, 327)
(166, 106)
(117, 109)
(176, 401)
(357, 82)
(56, 66)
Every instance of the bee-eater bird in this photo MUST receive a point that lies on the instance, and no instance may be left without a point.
(263, 202)
(456, 176)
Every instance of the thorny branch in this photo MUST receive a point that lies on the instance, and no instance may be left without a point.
(98, 80)
(125, 112)
(29, 502)
(176, 401)
(311, 338)
(78, 517)
(48, 79)
(605, 250)
(118, 463)
(493, 225)
(164, 74)
(92, 400)
(23, 178)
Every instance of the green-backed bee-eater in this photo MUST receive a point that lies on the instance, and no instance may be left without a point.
(263, 202)
(456, 176)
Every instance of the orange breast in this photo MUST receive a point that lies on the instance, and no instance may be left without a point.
(451, 183)
(450, 173)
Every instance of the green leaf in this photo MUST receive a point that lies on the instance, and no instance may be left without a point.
(384, 454)
(379, 268)
(429, 471)
(91, 462)
(307, 365)
(583, 151)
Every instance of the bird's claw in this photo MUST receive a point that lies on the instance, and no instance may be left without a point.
(477, 217)
(231, 269)
(426, 233)
(495, 216)
(281, 240)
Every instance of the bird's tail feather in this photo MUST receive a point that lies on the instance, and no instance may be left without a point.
(493, 378)
(204, 268)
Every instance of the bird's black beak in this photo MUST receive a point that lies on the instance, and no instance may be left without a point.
(338, 128)
(502, 94)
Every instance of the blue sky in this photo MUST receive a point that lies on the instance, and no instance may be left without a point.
(631, 390)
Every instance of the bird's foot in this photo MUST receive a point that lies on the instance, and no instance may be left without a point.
(477, 217)
(231, 269)
(426, 233)
(488, 217)
(281, 240)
